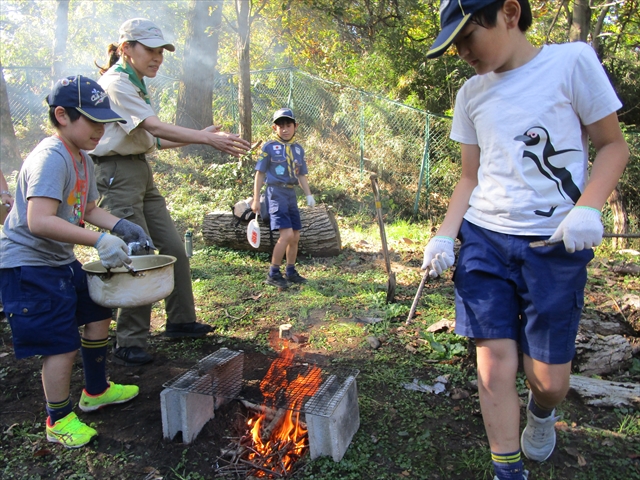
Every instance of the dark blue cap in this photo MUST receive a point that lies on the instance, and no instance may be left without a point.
(454, 15)
(284, 113)
(86, 96)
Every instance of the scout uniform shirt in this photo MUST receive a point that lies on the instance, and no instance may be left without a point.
(282, 162)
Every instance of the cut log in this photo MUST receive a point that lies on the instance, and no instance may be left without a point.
(602, 354)
(603, 393)
(319, 237)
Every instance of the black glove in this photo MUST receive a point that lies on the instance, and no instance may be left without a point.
(134, 236)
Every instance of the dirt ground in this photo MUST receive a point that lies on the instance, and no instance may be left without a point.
(134, 431)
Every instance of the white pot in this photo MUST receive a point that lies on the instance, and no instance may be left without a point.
(150, 281)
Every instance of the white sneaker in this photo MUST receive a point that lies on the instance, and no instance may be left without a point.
(525, 475)
(539, 436)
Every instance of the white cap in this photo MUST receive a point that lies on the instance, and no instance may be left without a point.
(144, 31)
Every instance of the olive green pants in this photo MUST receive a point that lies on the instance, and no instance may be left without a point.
(127, 191)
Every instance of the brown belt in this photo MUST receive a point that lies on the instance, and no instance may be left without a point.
(106, 158)
(282, 185)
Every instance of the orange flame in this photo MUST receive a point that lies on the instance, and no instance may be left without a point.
(289, 432)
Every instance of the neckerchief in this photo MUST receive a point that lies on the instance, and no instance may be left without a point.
(133, 77)
(288, 155)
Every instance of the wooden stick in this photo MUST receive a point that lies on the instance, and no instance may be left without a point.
(266, 432)
(414, 305)
(268, 411)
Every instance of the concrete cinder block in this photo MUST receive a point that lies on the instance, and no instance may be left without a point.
(185, 412)
(330, 432)
(225, 367)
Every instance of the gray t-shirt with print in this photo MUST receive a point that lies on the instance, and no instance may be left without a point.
(48, 172)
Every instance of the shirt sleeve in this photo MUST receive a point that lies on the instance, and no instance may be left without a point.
(462, 128)
(127, 102)
(593, 96)
(263, 160)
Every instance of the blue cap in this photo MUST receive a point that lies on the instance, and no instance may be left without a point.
(284, 113)
(86, 96)
(454, 15)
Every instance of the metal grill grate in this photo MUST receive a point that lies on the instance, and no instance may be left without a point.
(217, 375)
(221, 375)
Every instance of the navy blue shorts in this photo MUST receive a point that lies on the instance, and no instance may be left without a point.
(506, 289)
(283, 208)
(45, 306)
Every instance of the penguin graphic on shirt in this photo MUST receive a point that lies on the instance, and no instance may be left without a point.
(555, 180)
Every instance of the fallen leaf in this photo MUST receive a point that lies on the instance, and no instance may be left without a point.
(572, 451)
(43, 452)
(459, 394)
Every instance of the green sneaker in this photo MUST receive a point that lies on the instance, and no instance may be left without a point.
(70, 432)
(114, 394)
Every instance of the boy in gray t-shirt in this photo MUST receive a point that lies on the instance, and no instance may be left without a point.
(43, 286)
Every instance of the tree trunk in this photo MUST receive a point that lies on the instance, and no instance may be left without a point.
(581, 21)
(9, 152)
(243, 10)
(195, 95)
(60, 40)
(319, 237)
(620, 218)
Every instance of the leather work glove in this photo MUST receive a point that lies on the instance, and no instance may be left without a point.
(134, 236)
(112, 251)
(581, 228)
(311, 201)
(438, 255)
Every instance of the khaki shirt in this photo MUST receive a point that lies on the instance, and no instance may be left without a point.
(128, 102)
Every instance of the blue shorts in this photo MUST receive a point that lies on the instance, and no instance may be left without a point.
(506, 289)
(45, 306)
(283, 208)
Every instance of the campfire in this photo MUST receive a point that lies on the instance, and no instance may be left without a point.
(294, 408)
(276, 437)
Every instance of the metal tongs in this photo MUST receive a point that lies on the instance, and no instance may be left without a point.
(547, 243)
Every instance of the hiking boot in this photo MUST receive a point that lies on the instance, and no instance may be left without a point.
(114, 394)
(277, 280)
(295, 277)
(130, 356)
(70, 432)
(187, 330)
(539, 436)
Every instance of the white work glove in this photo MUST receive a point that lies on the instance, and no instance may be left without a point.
(438, 255)
(581, 228)
(112, 251)
(134, 236)
(311, 201)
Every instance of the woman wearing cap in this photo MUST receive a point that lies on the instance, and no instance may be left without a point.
(125, 179)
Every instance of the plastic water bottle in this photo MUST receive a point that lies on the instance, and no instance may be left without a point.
(188, 243)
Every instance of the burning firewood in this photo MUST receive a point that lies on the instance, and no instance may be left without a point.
(269, 413)
(277, 419)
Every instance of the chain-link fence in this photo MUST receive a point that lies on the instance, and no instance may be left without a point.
(341, 126)
(408, 148)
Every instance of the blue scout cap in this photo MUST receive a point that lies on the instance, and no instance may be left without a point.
(86, 96)
(284, 113)
(454, 15)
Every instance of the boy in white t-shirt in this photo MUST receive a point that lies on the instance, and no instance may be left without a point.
(523, 123)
